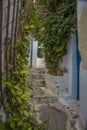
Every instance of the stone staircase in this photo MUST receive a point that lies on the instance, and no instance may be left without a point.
(37, 77)
(44, 99)
(40, 92)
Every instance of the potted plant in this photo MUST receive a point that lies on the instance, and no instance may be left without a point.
(60, 72)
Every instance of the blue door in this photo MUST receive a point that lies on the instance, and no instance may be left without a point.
(78, 67)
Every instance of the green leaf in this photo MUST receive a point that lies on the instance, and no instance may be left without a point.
(32, 26)
(29, 128)
(19, 100)
(26, 113)
(12, 124)
(20, 123)
(13, 91)
(13, 100)
(20, 110)
(1, 125)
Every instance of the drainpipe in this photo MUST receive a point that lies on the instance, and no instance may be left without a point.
(12, 32)
(15, 35)
(1, 15)
(6, 41)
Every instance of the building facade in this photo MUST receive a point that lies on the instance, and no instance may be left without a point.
(82, 39)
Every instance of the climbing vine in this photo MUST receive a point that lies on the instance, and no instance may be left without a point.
(56, 23)
(21, 114)
(17, 106)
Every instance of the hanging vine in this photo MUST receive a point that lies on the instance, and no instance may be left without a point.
(55, 25)
(17, 90)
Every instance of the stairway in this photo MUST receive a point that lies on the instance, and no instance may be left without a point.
(47, 105)
(40, 92)
(37, 77)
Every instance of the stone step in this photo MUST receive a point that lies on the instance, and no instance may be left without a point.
(45, 99)
(37, 76)
(38, 82)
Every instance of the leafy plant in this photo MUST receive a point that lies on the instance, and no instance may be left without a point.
(55, 25)
(1, 125)
(17, 90)
(20, 113)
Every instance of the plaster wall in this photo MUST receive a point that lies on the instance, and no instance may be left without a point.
(70, 62)
(74, 68)
(34, 53)
(83, 98)
(82, 34)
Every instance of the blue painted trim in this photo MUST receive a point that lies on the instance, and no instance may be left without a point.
(78, 67)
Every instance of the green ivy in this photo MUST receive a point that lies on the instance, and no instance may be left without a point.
(2, 125)
(20, 115)
(55, 25)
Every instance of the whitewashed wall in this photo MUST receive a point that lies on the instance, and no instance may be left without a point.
(82, 33)
(34, 53)
(72, 68)
(70, 62)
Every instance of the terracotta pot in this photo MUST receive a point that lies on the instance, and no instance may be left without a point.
(60, 72)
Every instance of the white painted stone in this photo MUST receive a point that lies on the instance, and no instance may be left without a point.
(55, 83)
(66, 81)
(69, 61)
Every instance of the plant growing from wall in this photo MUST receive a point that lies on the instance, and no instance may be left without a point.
(21, 114)
(18, 93)
(54, 29)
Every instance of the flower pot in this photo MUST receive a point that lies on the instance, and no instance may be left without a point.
(60, 72)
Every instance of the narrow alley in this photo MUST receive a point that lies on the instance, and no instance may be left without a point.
(47, 104)
(43, 64)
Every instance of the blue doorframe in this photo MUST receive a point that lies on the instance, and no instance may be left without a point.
(78, 67)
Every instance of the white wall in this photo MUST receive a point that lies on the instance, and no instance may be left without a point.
(72, 68)
(83, 98)
(82, 4)
(34, 53)
(70, 62)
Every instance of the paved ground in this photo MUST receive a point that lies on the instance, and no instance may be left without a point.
(48, 106)
(55, 117)
(42, 100)
(40, 63)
